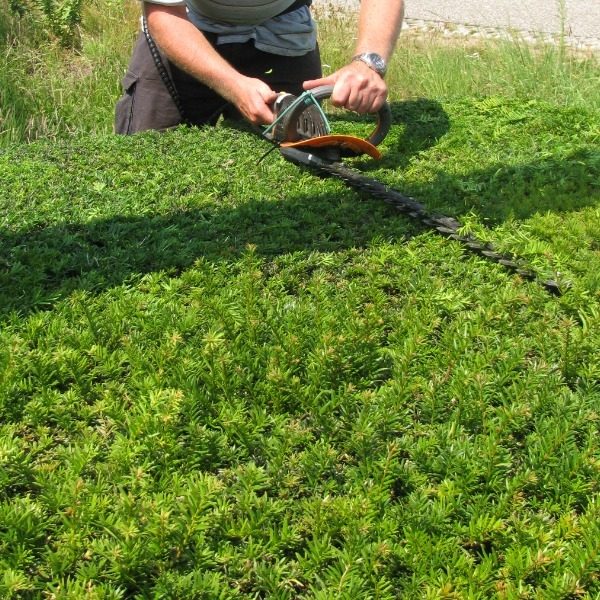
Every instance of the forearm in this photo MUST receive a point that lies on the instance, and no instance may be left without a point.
(379, 25)
(187, 47)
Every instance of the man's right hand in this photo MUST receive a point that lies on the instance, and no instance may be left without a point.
(190, 50)
(253, 98)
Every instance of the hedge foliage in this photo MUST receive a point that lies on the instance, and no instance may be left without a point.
(225, 378)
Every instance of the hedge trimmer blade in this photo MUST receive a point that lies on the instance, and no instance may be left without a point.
(302, 132)
(448, 227)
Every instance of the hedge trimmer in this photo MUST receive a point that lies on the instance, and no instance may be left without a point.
(303, 135)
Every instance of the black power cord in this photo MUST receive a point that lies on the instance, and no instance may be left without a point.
(162, 71)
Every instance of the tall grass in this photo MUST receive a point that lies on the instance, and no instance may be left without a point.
(47, 91)
(512, 68)
(429, 64)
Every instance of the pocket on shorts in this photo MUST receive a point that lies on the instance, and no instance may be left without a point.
(125, 105)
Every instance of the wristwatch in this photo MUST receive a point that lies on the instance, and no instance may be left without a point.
(373, 61)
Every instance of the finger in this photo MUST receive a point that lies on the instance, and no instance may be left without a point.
(355, 99)
(371, 102)
(257, 112)
(264, 115)
(310, 84)
(378, 102)
(341, 93)
(266, 98)
(367, 97)
(268, 95)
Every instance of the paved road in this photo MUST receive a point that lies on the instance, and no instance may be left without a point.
(580, 18)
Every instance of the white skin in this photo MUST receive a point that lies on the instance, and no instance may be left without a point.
(356, 86)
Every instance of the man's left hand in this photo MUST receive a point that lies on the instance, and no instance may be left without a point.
(355, 87)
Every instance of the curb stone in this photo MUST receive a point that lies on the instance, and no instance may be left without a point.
(465, 30)
(461, 30)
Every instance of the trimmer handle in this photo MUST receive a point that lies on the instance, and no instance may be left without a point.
(384, 114)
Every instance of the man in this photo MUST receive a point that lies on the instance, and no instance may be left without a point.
(200, 59)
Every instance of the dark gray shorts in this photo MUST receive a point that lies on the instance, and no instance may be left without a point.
(147, 104)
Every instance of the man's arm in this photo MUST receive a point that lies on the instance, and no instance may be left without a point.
(356, 86)
(187, 47)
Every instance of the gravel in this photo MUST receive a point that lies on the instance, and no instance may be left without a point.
(576, 22)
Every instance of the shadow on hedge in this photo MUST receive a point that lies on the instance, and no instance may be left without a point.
(39, 267)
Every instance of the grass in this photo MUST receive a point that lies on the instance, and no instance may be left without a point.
(221, 378)
(49, 92)
(218, 385)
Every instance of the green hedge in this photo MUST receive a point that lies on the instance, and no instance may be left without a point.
(225, 378)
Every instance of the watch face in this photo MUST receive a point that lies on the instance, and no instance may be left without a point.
(373, 60)
(378, 62)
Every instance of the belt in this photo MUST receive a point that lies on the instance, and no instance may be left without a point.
(295, 6)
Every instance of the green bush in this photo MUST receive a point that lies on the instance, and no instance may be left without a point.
(233, 380)
(61, 18)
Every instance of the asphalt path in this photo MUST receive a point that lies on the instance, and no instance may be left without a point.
(576, 19)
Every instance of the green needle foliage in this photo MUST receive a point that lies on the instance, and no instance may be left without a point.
(227, 378)
(221, 378)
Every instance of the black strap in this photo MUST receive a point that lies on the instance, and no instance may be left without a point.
(162, 71)
(295, 6)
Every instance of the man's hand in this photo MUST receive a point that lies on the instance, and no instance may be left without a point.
(253, 98)
(186, 46)
(355, 87)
